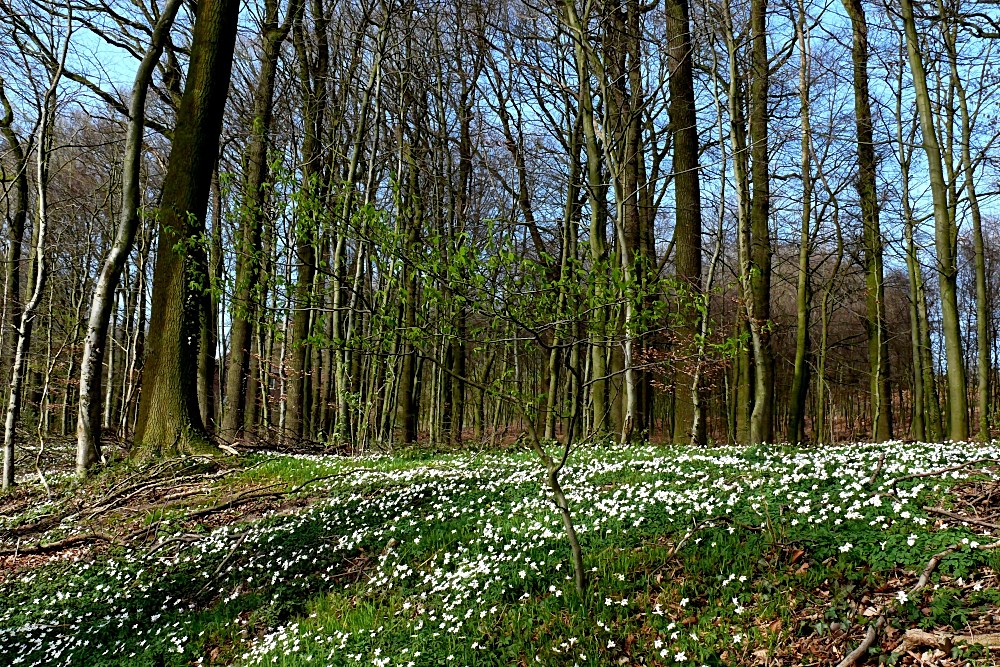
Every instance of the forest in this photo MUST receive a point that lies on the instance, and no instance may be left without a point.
(430, 332)
(677, 223)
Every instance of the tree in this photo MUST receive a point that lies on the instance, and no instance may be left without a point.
(16, 194)
(875, 327)
(169, 420)
(88, 427)
(687, 193)
(803, 291)
(758, 263)
(944, 234)
(38, 271)
(252, 219)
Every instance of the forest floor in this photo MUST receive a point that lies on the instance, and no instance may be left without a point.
(728, 556)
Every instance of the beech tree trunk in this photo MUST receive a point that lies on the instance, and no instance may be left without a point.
(38, 272)
(687, 224)
(803, 292)
(944, 235)
(875, 324)
(169, 421)
(248, 258)
(313, 71)
(88, 423)
(762, 416)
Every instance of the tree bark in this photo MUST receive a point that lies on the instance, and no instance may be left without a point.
(803, 291)
(38, 272)
(248, 258)
(313, 74)
(762, 416)
(18, 206)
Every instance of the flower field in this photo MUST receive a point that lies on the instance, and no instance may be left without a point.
(727, 556)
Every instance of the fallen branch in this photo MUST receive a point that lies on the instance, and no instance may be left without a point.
(942, 471)
(914, 639)
(866, 643)
(124, 496)
(187, 538)
(962, 517)
(44, 548)
(229, 556)
(44, 523)
(878, 469)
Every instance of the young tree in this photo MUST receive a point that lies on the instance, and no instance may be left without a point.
(88, 426)
(38, 271)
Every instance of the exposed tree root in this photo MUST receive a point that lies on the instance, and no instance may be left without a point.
(59, 545)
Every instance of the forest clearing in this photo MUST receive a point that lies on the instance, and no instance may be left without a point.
(723, 556)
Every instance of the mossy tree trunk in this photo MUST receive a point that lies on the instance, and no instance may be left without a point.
(944, 235)
(169, 421)
(875, 323)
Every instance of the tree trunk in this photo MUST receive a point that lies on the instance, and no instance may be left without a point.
(313, 75)
(406, 396)
(762, 416)
(248, 257)
(803, 292)
(743, 376)
(983, 360)
(169, 420)
(18, 207)
(38, 271)
(687, 225)
(944, 236)
(919, 426)
(875, 323)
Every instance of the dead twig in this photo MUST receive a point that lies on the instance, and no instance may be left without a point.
(878, 469)
(232, 552)
(187, 538)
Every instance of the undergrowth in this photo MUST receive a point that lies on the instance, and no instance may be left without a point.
(709, 557)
